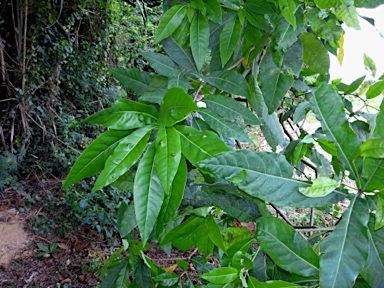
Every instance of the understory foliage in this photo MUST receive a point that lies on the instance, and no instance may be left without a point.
(230, 66)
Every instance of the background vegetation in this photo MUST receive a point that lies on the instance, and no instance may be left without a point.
(172, 164)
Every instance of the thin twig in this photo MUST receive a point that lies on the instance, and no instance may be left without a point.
(23, 76)
(278, 211)
(326, 229)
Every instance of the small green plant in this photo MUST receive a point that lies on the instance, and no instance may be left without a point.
(46, 251)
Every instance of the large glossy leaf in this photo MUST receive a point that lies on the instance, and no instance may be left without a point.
(230, 109)
(168, 155)
(173, 199)
(221, 275)
(264, 175)
(93, 158)
(133, 79)
(229, 38)
(199, 39)
(283, 37)
(228, 81)
(124, 156)
(170, 21)
(223, 126)
(161, 63)
(374, 267)
(274, 83)
(197, 145)
(156, 90)
(345, 251)
(123, 115)
(288, 9)
(329, 109)
(148, 194)
(288, 248)
(182, 56)
(184, 235)
(315, 54)
(175, 107)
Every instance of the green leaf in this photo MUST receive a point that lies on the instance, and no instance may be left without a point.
(374, 266)
(173, 199)
(133, 79)
(273, 83)
(315, 54)
(170, 21)
(373, 174)
(353, 86)
(287, 248)
(183, 236)
(368, 3)
(268, 177)
(167, 279)
(175, 107)
(324, 4)
(375, 90)
(235, 236)
(369, 64)
(254, 283)
(328, 29)
(228, 198)
(156, 90)
(230, 109)
(125, 182)
(329, 109)
(124, 114)
(214, 233)
(182, 56)
(347, 14)
(271, 128)
(321, 187)
(117, 277)
(221, 275)
(148, 194)
(259, 6)
(255, 19)
(345, 251)
(229, 38)
(127, 152)
(213, 10)
(93, 158)
(161, 63)
(379, 216)
(224, 126)
(126, 219)
(228, 81)
(288, 9)
(197, 145)
(373, 148)
(199, 39)
(168, 155)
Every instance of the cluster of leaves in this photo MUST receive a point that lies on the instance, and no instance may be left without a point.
(231, 64)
